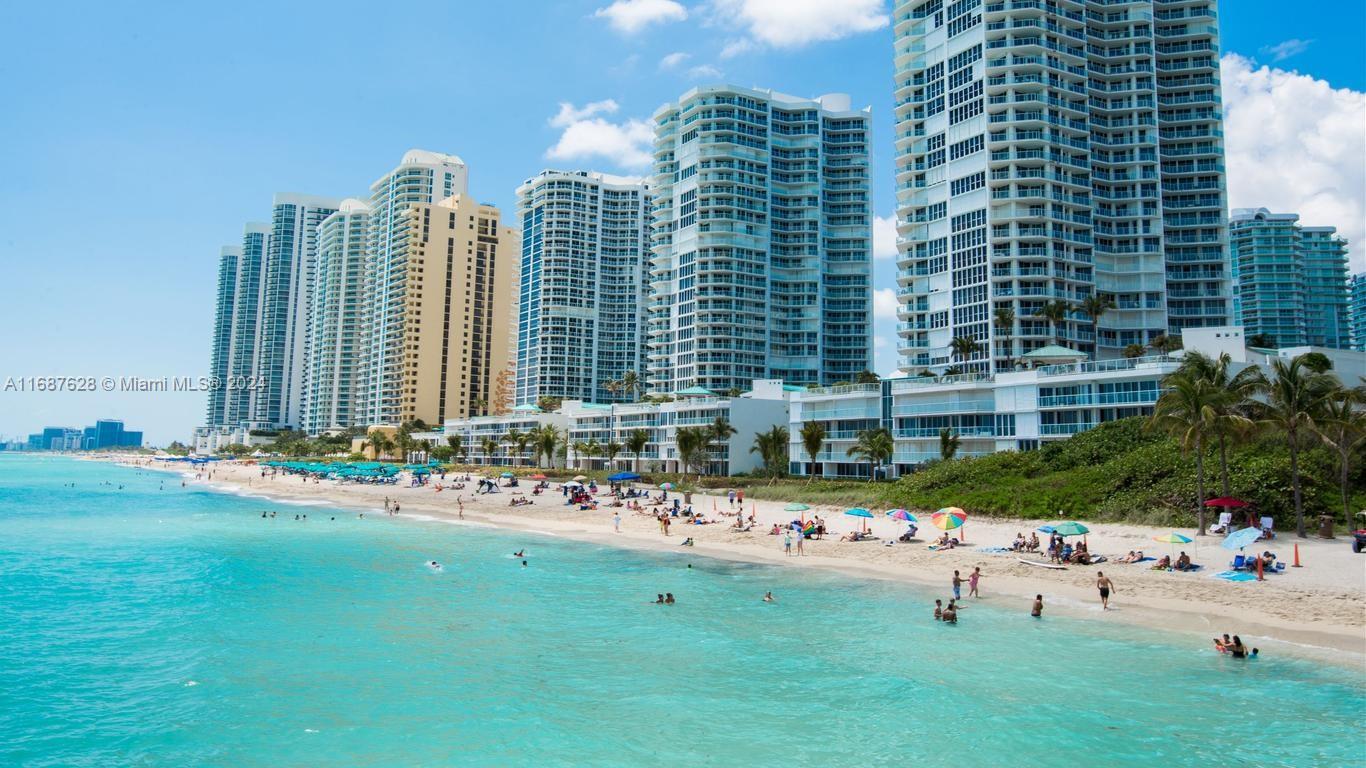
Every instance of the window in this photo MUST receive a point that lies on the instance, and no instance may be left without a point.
(967, 183)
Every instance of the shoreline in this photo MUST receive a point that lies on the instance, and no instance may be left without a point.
(1331, 588)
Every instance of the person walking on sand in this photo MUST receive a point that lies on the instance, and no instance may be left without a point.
(972, 581)
(1037, 610)
(616, 521)
(957, 586)
(1105, 586)
(460, 503)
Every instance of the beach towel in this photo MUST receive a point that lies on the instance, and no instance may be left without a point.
(1235, 576)
(995, 550)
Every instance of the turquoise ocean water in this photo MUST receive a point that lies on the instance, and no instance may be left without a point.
(329, 643)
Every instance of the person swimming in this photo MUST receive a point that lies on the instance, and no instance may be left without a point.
(519, 553)
(434, 565)
(768, 597)
(659, 598)
(668, 598)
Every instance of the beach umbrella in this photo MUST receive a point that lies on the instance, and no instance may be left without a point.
(537, 476)
(796, 506)
(1173, 539)
(1046, 529)
(506, 474)
(667, 486)
(1070, 529)
(950, 518)
(621, 477)
(1241, 538)
(860, 512)
(901, 514)
(1226, 501)
(580, 478)
(573, 484)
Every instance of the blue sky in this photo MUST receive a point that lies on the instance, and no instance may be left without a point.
(138, 138)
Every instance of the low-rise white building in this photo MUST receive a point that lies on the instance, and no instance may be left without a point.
(1019, 410)
(760, 409)
(210, 440)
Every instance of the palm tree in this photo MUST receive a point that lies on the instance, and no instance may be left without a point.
(1094, 306)
(457, 444)
(1188, 411)
(948, 443)
(813, 440)
(612, 385)
(380, 443)
(1231, 419)
(1005, 321)
(1295, 398)
(610, 451)
(874, 446)
(1164, 344)
(1261, 341)
(520, 440)
(866, 376)
(490, 446)
(1343, 429)
(546, 441)
(630, 385)
(1135, 350)
(772, 448)
(1055, 312)
(692, 445)
(964, 347)
(636, 441)
(587, 451)
(720, 430)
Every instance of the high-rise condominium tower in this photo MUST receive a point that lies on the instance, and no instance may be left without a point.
(220, 355)
(1050, 153)
(1290, 282)
(334, 321)
(762, 240)
(287, 287)
(458, 309)
(1358, 312)
(581, 317)
(422, 178)
(246, 326)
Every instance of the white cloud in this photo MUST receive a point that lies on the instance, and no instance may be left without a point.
(736, 47)
(586, 135)
(1284, 50)
(884, 237)
(1294, 145)
(704, 72)
(885, 304)
(631, 16)
(674, 60)
(794, 23)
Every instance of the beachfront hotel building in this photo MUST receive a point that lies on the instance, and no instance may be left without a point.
(246, 325)
(457, 311)
(762, 241)
(1053, 152)
(1290, 281)
(762, 407)
(334, 343)
(1358, 312)
(220, 353)
(287, 279)
(581, 318)
(421, 178)
(1016, 410)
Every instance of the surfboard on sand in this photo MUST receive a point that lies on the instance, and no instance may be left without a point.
(1038, 564)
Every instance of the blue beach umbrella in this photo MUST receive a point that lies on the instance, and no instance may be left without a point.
(622, 476)
(859, 512)
(1241, 538)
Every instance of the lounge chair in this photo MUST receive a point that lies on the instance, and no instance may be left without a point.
(1239, 562)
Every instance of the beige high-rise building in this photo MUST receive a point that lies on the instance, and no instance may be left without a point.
(459, 310)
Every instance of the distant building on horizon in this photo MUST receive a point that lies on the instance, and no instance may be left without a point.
(584, 287)
(104, 434)
(761, 263)
(1290, 281)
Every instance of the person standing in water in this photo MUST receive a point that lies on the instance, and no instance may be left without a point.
(957, 586)
(1105, 586)
(1037, 610)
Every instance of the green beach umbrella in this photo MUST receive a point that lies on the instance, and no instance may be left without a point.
(1071, 529)
(796, 506)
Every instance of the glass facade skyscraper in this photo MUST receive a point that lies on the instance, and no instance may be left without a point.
(1290, 282)
(581, 319)
(762, 241)
(1358, 312)
(246, 325)
(220, 355)
(1051, 153)
(287, 279)
(335, 320)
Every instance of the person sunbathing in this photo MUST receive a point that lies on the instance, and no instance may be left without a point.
(1163, 564)
(1033, 542)
(1129, 558)
(1183, 563)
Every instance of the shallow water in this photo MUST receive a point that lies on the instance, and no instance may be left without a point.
(175, 627)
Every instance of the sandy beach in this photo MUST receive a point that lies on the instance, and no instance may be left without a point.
(1318, 610)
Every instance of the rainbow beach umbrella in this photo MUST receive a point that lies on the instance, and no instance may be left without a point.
(901, 514)
(950, 518)
(1173, 538)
